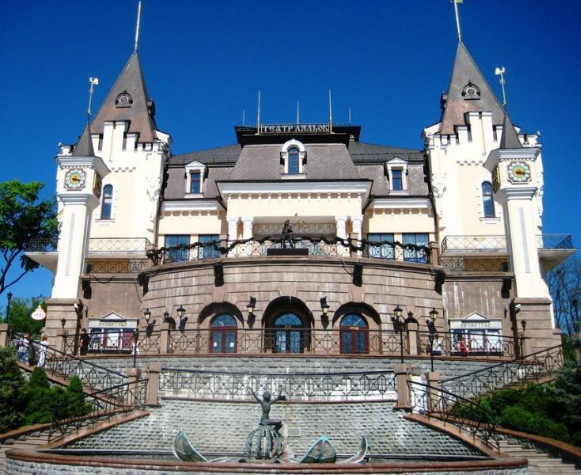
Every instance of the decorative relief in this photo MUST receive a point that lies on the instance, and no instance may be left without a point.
(272, 229)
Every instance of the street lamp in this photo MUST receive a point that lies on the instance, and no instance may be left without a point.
(147, 315)
(135, 338)
(398, 326)
(431, 323)
(9, 297)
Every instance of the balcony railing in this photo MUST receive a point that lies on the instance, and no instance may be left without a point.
(97, 246)
(312, 246)
(300, 341)
(499, 243)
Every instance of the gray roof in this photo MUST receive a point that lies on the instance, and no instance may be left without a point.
(84, 147)
(324, 162)
(509, 139)
(369, 153)
(139, 113)
(226, 155)
(466, 72)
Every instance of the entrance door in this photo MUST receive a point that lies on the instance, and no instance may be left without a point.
(223, 334)
(288, 334)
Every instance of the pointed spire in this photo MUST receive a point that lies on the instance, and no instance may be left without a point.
(128, 100)
(468, 92)
(509, 139)
(84, 147)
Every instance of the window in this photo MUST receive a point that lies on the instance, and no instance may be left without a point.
(293, 160)
(413, 255)
(288, 334)
(397, 179)
(487, 200)
(178, 255)
(194, 178)
(208, 246)
(195, 185)
(354, 334)
(107, 202)
(293, 157)
(223, 334)
(380, 251)
(397, 170)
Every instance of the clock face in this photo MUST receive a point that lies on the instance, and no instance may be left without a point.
(519, 172)
(75, 179)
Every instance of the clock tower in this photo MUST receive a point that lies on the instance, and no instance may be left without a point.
(517, 182)
(78, 190)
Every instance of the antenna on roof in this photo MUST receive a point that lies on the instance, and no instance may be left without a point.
(93, 82)
(298, 112)
(456, 2)
(243, 116)
(330, 113)
(349, 115)
(137, 26)
(258, 115)
(500, 72)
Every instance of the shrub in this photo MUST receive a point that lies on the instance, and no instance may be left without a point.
(518, 418)
(11, 384)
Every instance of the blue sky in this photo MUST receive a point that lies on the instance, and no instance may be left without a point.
(204, 62)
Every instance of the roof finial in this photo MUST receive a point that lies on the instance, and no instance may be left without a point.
(258, 115)
(137, 26)
(456, 2)
(330, 112)
(500, 72)
(93, 82)
(298, 112)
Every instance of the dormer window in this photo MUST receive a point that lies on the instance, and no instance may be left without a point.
(397, 175)
(293, 158)
(195, 178)
(471, 92)
(124, 100)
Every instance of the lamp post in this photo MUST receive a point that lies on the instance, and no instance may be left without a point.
(431, 324)
(135, 338)
(9, 296)
(250, 306)
(398, 326)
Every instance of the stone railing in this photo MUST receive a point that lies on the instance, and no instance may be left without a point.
(498, 244)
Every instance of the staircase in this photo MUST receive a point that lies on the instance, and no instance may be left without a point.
(540, 462)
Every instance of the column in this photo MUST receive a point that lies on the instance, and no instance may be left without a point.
(402, 372)
(357, 222)
(153, 381)
(341, 222)
(232, 232)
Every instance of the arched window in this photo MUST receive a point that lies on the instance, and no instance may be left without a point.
(487, 200)
(107, 202)
(223, 334)
(354, 334)
(293, 160)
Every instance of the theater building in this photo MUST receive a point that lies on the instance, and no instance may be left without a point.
(303, 238)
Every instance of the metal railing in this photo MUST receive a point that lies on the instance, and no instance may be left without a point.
(533, 367)
(65, 366)
(215, 385)
(105, 404)
(314, 246)
(41, 245)
(351, 341)
(480, 345)
(498, 243)
(440, 404)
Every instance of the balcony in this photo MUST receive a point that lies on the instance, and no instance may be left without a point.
(45, 252)
(489, 253)
(299, 246)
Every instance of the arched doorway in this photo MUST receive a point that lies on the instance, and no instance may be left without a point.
(354, 334)
(223, 334)
(288, 334)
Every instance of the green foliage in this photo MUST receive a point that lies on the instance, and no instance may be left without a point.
(11, 384)
(552, 411)
(20, 319)
(23, 217)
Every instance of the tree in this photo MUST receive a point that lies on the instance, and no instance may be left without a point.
(20, 311)
(565, 287)
(11, 385)
(23, 218)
